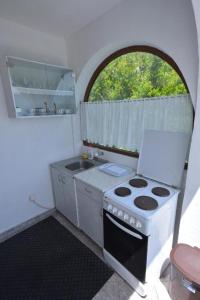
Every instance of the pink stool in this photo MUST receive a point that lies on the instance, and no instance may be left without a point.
(186, 260)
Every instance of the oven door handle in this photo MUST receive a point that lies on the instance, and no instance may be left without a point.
(136, 235)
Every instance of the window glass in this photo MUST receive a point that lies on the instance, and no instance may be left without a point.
(136, 75)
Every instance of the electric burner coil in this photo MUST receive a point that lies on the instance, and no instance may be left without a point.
(160, 191)
(122, 191)
(138, 183)
(146, 203)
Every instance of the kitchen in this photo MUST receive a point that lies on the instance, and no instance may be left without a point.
(112, 183)
(20, 138)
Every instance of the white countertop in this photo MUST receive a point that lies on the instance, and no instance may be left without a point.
(101, 180)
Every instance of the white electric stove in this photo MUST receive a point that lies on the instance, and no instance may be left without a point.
(139, 214)
(137, 205)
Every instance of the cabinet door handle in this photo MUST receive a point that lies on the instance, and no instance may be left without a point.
(88, 191)
(59, 178)
(63, 180)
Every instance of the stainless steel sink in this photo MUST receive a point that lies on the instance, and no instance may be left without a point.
(76, 164)
(79, 165)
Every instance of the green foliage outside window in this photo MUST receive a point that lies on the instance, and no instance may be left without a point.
(136, 75)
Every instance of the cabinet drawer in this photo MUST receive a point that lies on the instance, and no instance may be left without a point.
(89, 191)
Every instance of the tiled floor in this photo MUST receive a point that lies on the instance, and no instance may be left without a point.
(115, 288)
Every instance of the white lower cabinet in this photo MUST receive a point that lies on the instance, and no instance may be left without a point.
(89, 202)
(64, 194)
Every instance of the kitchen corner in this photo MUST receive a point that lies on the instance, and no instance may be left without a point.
(99, 159)
(122, 214)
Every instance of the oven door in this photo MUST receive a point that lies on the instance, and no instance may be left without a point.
(126, 245)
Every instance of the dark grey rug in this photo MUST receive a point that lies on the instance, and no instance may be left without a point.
(47, 262)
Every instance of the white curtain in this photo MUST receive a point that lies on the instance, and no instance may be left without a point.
(121, 123)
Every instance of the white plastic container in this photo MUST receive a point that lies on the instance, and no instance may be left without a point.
(90, 152)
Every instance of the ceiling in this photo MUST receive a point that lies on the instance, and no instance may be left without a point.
(58, 17)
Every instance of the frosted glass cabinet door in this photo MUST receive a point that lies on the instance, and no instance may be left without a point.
(59, 79)
(27, 74)
(39, 89)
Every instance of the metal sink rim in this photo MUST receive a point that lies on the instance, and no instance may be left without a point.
(81, 165)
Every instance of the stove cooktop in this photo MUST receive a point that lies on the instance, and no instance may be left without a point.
(141, 195)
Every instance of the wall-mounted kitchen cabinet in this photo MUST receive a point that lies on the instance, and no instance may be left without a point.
(37, 89)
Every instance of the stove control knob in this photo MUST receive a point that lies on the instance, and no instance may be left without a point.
(138, 224)
(114, 210)
(120, 213)
(109, 208)
(132, 221)
(126, 217)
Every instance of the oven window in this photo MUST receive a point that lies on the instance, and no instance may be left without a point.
(130, 251)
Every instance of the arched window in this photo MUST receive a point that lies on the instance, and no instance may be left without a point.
(134, 88)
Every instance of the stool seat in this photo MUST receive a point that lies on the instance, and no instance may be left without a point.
(187, 261)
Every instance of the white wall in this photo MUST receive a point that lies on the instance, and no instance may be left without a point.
(190, 223)
(168, 25)
(28, 146)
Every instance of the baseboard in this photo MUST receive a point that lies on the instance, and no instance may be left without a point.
(21, 227)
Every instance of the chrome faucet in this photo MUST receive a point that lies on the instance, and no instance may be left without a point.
(98, 153)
